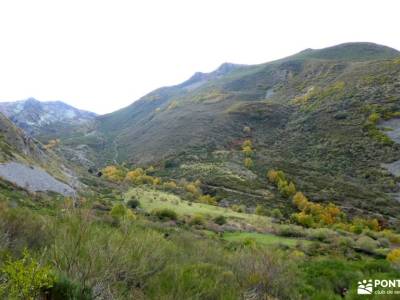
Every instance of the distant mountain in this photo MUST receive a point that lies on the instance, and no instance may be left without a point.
(44, 118)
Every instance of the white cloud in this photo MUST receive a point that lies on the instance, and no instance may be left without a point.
(102, 55)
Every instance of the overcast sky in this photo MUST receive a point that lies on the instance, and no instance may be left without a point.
(103, 55)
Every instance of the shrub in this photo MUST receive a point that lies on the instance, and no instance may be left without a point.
(197, 220)
(394, 257)
(170, 185)
(66, 289)
(165, 214)
(207, 199)
(291, 231)
(321, 234)
(192, 188)
(198, 280)
(260, 210)
(391, 236)
(25, 278)
(220, 220)
(113, 173)
(366, 244)
(133, 203)
(118, 211)
(248, 162)
(276, 213)
(238, 208)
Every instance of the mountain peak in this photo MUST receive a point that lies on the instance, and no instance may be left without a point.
(358, 51)
(30, 114)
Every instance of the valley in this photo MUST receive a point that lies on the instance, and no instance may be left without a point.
(270, 181)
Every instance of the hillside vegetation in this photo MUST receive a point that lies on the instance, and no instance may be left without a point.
(314, 115)
(273, 181)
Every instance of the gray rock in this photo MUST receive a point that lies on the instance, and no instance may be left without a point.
(33, 179)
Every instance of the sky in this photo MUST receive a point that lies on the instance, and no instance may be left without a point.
(103, 55)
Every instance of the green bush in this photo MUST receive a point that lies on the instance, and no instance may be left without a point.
(291, 231)
(321, 234)
(195, 281)
(197, 220)
(366, 244)
(260, 210)
(133, 203)
(118, 211)
(220, 220)
(165, 214)
(276, 213)
(65, 289)
(25, 278)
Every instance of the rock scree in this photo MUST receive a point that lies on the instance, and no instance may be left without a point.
(33, 179)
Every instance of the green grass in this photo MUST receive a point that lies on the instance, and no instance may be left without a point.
(151, 199)
(262, 239)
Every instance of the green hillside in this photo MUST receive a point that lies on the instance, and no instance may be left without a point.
(307, 115)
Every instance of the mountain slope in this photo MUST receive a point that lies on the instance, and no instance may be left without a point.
(27, 164)
(307, 115)
(313, 115)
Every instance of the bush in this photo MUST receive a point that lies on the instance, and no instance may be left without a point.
(220, 220)
(321, 234)
(291, 231)
(207, 199)
(165, 214)
(133, 203)
(197, 220)
(238, 208)
(198, 280)
(260, 210)
(276, 213)
(25, 278)
(366, 244)
(394, 257)
(118, 211)
(65, 289)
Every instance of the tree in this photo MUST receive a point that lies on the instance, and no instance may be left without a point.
(113, 173)
(207, 199)
(247, 143)
(248, 162)
(170, 185)
(300, 200)
(118, 211)
(247, 151)
(394, 257)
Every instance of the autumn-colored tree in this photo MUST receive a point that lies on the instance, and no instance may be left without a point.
(247, 151)
(300, 200)
(248, 162)
(113, 173)
(207, 199)
(192, 188)
(247, 143)
(394, 257)
(274, 176)
(304, 219)
(156, 181)
(170, 185)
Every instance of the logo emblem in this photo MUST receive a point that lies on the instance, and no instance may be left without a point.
(365, 287)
